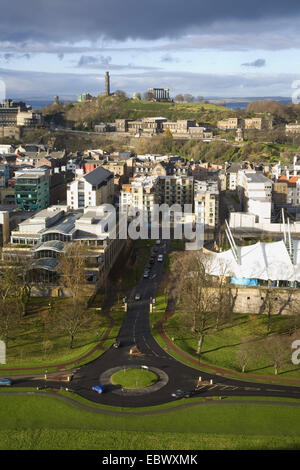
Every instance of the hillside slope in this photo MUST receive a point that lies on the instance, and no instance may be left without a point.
(108, 108)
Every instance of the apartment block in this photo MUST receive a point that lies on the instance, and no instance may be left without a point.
(93, 189)
(206, 203)
(140, 193)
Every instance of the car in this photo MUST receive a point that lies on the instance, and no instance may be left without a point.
(97, 388)
(152, 260)
(5, 382)
(116, 344)
(137, 296)
(181, 394)
(148, 266)
(157, 242)
(155, 249)
(160, 258)
(146, 274)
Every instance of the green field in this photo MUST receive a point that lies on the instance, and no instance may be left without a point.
(35, 342)
(221, 347)
(28, 422)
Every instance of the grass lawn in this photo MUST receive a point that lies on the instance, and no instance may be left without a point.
(28, 422)
(134, 378)
(35, 343)
(221, 347)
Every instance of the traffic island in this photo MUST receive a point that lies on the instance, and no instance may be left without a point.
(133, 379)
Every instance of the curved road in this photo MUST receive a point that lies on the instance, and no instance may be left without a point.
(136, 330)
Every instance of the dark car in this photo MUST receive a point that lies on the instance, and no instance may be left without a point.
(182, 394)
(152, 260)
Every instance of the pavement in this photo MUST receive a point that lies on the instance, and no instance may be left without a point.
(136, 331)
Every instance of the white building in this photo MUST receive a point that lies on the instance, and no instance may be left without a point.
(255, 190)
(93, 189)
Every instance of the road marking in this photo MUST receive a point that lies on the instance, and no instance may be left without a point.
(214, 386)
(274, 390)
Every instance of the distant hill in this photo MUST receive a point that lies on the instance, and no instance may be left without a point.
(108, 108)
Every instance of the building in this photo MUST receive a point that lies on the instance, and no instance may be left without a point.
(14, 113)
(232, 176)
(184, 128)
(279, 192)
(206, 203)
(258, 123)
(45, 235)
(255, 192)
(292, 128)
(32, 189)
(230, 123)
(84, 97)
(159, 94)
(93, 189)
(176, 190)
(140, 193)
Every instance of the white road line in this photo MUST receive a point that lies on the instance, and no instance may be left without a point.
(274, 390)
(214, 386)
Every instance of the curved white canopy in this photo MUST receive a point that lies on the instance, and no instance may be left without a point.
(266, 261)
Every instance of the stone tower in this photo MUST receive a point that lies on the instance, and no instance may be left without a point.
(107, 84)
(239, 135)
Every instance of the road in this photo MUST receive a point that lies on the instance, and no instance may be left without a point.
(173, 374)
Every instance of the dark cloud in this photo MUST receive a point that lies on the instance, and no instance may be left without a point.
(102, 62)
(71, 21)
(87, 61)
(169, 59)
(8, 56)
(255, 63)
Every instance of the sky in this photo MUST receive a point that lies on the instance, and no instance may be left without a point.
(210, 49)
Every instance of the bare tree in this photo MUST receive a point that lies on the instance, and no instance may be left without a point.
(273, 304)
(277, 349)
(196, 295)
(246, 353)
(9, 302)
(71, 267)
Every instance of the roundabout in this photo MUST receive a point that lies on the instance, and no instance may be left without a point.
(133, 379)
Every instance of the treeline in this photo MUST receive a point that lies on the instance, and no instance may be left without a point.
(282, 113)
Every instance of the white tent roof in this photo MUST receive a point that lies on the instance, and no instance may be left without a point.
(267, 261)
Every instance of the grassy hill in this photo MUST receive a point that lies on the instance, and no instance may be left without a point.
(108, 108)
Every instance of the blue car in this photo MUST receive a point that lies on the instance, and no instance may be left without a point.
(5, 382)
(97, 388)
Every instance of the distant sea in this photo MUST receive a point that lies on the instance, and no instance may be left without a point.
(244, 104)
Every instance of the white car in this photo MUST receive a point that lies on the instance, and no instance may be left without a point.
(160, 258)
(137, 296)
